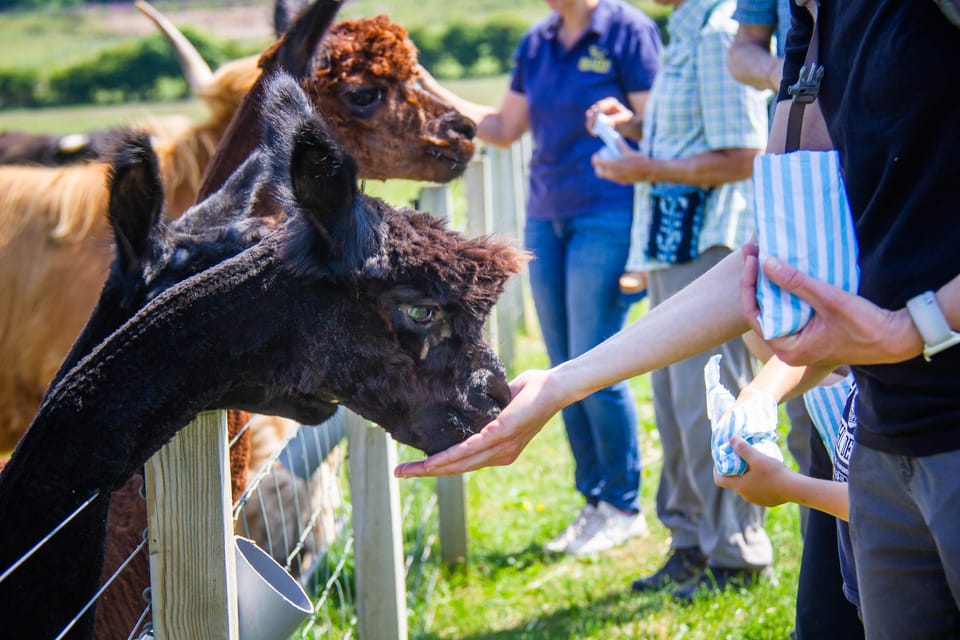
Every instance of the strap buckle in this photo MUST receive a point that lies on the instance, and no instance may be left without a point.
(807, 87)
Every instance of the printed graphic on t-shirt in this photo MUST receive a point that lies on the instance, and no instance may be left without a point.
(598, 61)
(848, 427)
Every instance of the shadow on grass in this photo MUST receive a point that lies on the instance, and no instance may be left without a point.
(611, 610)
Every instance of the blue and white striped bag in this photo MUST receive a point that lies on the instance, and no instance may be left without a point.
(754, 420)
(803, 218)
(825, 405)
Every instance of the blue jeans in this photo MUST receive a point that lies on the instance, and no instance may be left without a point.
(574, 277)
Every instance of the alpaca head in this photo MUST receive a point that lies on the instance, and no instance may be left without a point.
(389, 317)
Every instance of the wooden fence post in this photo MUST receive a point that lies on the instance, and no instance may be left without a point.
(451, 490)
(190, 529)
(378, 546)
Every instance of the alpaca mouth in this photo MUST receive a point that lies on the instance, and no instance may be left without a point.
(456, 160)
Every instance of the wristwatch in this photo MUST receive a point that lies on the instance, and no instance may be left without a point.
(932, 324)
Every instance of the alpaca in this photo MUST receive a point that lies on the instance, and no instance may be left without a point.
(54, 239)
(375, 308)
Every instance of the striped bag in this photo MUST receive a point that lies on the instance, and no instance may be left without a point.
(825, 404)
(804, 219)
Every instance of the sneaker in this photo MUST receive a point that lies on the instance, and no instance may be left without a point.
(608, 528)
(713, 580)
(573, 530)
(683, 565)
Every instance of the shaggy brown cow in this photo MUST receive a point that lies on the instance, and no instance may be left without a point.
(378, 309)
(54, 241)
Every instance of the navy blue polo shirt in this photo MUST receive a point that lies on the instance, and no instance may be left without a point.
(617, 54)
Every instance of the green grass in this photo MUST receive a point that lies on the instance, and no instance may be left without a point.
(52, 39)
(513, 590)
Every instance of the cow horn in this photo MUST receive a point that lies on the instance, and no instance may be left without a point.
(194, 66)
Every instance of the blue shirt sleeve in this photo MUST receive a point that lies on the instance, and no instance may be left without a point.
(640, 58)
(756, 12)
(518, 73)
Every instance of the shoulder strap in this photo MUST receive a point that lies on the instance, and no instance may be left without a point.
(805, 91)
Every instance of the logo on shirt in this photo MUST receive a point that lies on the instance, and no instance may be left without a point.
(596, 62)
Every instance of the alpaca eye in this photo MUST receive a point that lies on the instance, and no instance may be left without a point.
(420, 314)
(364, 99)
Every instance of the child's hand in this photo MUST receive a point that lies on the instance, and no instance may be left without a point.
(766, 481)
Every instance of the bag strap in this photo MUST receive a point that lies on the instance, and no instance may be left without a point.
(807, 87)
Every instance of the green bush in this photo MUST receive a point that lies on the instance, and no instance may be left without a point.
(17, 88)
(145, 70)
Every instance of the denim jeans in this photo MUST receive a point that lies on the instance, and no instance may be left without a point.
(574, 278)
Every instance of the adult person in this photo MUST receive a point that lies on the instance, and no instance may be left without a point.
(577, 228)
(900, 172)
(702, 130)
(756, 55)
(756, 59)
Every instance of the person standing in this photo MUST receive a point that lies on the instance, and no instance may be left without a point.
(577, 228)
(756, 58)
(899, 332)
(702, 130)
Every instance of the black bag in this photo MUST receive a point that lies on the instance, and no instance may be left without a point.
(677, 217)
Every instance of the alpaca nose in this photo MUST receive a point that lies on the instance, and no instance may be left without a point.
(461, 124)
(490, 378)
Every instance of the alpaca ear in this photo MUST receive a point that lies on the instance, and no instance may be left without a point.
(295, 53)
(136, 199)
(324, 180)
(284, 14)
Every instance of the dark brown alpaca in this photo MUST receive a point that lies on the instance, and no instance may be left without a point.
(378, 309)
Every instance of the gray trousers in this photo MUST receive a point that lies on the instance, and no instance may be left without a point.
(728, 529)
(905, 529)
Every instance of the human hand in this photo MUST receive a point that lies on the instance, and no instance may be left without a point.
(535, 401)
(845, 328)
(766, 481)
(612, 108)
(630, 167)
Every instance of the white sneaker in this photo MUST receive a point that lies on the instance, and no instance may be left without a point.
(573, 530)
(609, 527)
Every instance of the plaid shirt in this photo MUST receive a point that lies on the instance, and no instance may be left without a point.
(696, 106)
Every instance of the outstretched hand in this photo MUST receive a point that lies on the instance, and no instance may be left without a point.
(499, 443)
(845, 328)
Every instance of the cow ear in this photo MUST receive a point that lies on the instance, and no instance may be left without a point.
(295, 52)
(136, 200)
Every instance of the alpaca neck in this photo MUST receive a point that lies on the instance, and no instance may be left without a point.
(112, 411)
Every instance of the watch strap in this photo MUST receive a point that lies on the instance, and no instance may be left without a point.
(928, 317)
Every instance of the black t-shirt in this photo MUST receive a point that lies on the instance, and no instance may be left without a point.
(891, 100)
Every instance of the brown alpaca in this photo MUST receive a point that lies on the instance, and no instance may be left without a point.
(54, 240)
(377, 309)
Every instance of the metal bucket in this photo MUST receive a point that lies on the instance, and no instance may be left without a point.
(271, 603)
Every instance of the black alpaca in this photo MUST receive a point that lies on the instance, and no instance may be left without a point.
(344, 300)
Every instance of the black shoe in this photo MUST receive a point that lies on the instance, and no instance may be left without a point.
(682, 565)
(715, 579)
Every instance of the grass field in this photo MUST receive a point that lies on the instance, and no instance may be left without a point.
(514, 590)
